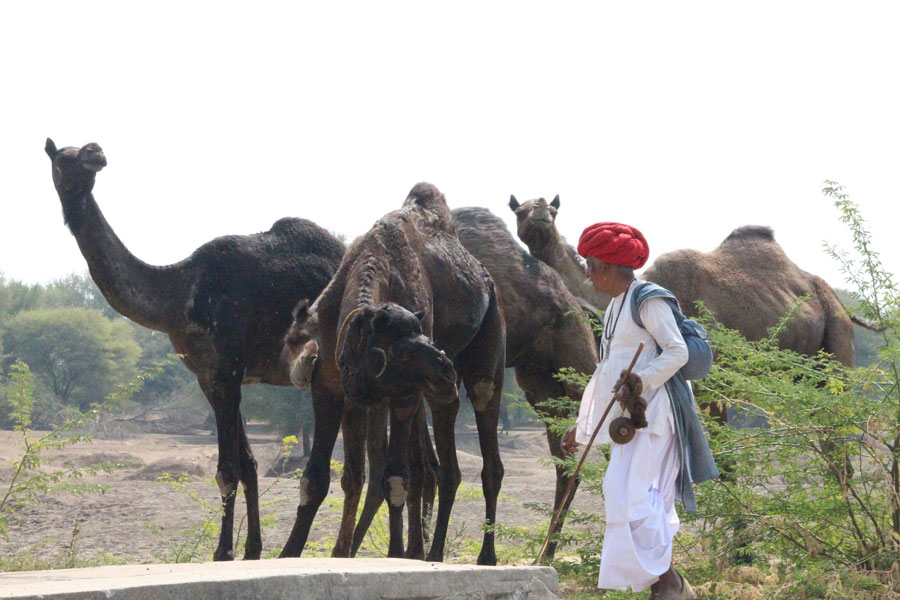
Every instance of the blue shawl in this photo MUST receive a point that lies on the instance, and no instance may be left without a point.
(697, 464)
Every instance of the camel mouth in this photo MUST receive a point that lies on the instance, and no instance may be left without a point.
(94, 163)
(301, 372)
(443, 387)
(92, 158)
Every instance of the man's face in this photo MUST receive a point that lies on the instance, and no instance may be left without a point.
(599, 273)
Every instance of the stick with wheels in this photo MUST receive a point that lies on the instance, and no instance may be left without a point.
(587, 449)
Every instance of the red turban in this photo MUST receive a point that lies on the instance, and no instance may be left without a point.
(614, 243)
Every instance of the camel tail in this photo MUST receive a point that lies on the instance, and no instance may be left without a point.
(866, 323)
(838, 326)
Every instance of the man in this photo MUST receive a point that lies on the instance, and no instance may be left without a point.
(645, 475)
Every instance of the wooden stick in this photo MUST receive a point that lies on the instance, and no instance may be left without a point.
(587, 449)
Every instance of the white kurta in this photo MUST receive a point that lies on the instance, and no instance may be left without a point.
(639, 487)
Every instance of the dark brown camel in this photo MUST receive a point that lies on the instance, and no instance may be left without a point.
(536, 227)
(361, 338)
(225, 309)
(544, 330)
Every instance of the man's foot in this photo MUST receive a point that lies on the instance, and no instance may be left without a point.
(671, 586)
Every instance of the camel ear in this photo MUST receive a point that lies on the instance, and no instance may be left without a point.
(358, 331)
(301, 311)
(513, 203)
(380, 319)
(420, 316)
(351, 360)
(50, 149)
(555, 203)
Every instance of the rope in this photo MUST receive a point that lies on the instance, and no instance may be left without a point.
(337, 345)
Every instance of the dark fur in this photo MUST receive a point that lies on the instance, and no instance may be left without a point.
(545, 328)
(536, 227)
(409, 261)
(225, 308)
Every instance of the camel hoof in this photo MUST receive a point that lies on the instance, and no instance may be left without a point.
(223, 555)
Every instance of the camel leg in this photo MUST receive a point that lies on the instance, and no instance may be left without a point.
(492, 467)
(415, 545)
(225, 397)
(538, 387)
(395, 482)
(429, 487)
(253, 547)
(353, 477)
(449, 477)
(376, 448)
(327, 409)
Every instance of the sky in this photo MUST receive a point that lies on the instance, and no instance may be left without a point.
(684, 119)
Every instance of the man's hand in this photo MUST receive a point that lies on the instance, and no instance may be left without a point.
(628, 394)
(568, 443)
(632, 386)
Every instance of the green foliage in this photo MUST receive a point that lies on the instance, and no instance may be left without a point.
(79, 354)
(287, 410)
(32, 476)
(76, 291)
(866, 342)
(197, 542)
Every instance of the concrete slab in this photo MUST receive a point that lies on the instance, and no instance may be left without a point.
(294, 579)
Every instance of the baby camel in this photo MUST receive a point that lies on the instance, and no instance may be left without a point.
(361, 337)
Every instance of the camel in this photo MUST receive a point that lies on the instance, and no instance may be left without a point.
(749, 283)
(225, 308)
(536, 224)
(369, 335)
(544, 333)
(544, 330)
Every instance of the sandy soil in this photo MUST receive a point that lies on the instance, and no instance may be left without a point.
(139, 519)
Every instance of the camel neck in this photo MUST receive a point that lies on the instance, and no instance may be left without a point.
(144, 293)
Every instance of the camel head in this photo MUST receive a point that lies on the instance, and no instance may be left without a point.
(536, 221)
(383, 353)
(301, 345)
(74, 173)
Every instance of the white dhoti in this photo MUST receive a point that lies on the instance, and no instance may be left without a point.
(641, 521)
(639, 487)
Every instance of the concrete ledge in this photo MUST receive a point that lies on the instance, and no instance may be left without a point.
(294, 579)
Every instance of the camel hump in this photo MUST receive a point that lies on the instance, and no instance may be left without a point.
(426, 195)
(287, 225)
(751, 231)
(430, 199)
(471, 216)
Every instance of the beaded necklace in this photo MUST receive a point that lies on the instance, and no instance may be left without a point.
(610, 328)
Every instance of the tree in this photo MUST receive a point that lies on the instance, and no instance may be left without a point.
(16, 296)
(78, 353)
(286, 409)
(77, 291)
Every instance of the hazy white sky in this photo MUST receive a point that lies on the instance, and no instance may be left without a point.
(685, 119)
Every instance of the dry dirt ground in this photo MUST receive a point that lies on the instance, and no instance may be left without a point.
(140, 519)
